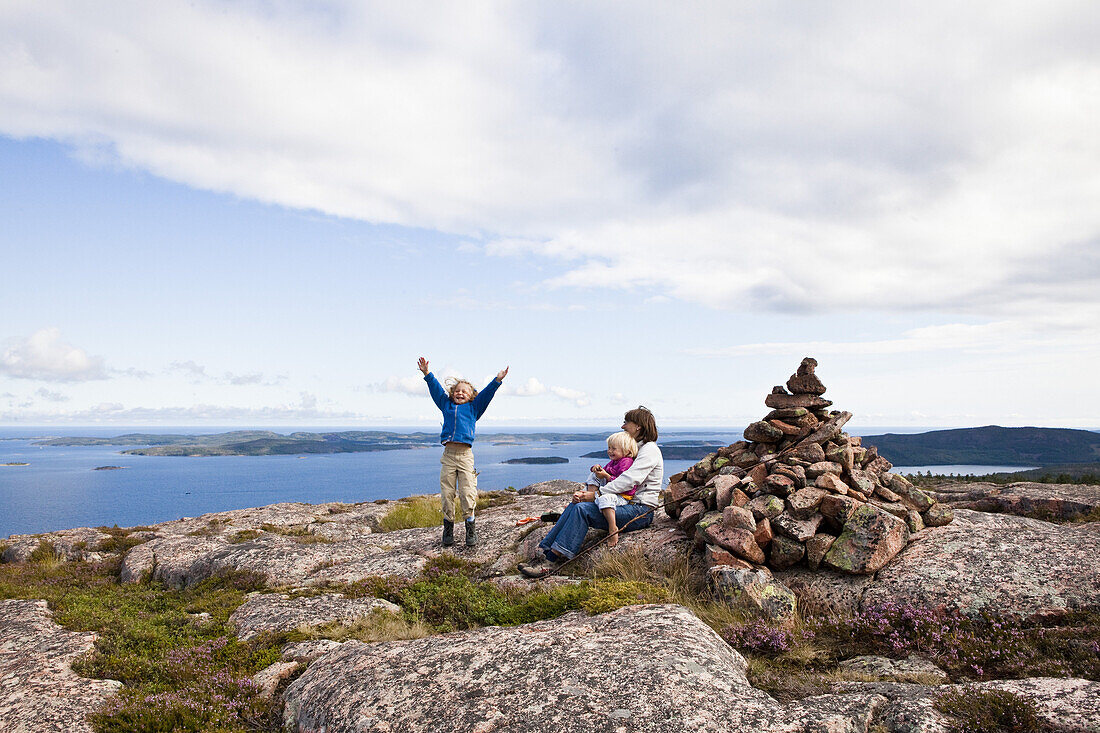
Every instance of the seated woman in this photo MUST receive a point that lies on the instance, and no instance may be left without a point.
(646, 473)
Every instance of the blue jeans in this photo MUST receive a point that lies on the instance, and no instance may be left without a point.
(567, 536)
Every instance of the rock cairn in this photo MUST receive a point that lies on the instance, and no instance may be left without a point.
(798, 489)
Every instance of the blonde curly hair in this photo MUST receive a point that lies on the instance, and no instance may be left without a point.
(452, 382)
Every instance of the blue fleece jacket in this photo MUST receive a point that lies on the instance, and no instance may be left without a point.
(459, 420)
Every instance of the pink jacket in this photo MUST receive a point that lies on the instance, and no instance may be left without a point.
(615, 469)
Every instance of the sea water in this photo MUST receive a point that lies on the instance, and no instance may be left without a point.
(60, 488)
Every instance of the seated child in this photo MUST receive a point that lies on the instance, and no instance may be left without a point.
(621, 449)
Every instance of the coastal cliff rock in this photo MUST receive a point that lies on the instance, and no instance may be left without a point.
(39, 691)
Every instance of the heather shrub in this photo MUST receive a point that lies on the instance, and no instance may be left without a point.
(971, 647)
(760, 637)
(206, 687)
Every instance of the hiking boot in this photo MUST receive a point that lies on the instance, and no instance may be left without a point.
(471, 533)
(537, 568)
(551, 517)
(448, 533)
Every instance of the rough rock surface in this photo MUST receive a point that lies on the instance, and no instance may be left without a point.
(303, 544)
(900, 670)
(69, 544)
(1056, 501)
(274, 612)
(39, 691)
(565, 674)
(996, 563)
(754, 590)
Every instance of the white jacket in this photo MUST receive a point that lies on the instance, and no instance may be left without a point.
(647, 471)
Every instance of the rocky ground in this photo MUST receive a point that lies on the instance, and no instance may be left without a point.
(644, 668)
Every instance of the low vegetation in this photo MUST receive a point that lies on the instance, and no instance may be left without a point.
(425, 511)
(183, 671)
(800, 659)
(988, 711)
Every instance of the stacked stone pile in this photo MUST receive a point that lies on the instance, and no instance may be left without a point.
(800, 489)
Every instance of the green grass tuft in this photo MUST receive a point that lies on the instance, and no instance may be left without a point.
(46, 554)
(970, 710)
(420, 511)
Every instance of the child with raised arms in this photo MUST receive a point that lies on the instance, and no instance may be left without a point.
(462, 406)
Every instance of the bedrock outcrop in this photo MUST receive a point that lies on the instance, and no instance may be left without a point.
(571, 673)
(641, 668)
(39, 691)
(981, 563)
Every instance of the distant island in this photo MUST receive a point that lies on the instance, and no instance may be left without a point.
(15, 463)
(108, 468)
(989, 445)
(268, 443)
(679, 450)
(537, 460)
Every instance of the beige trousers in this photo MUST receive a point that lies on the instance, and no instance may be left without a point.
(457, 477)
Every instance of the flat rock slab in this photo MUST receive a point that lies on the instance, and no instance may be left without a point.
(1026, 498)
(641, 668)
(303, 544)
(993, 563)
(39, 691)
(274, 612)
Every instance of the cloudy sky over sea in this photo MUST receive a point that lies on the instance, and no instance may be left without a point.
(262, 213)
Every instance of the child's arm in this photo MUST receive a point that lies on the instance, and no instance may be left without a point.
(616, 468)
(435, 389)
(485, 396)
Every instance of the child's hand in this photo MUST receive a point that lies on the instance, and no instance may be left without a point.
(594, 468)
(423, 365)
(501, 374)
(602, 474)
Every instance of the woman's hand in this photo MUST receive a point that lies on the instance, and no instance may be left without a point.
(423, 366)
(582, 496)
(501, 374)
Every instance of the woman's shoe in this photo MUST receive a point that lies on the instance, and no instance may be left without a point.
(448, 533)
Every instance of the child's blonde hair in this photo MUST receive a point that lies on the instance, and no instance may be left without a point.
(623, 442)
(452, 382)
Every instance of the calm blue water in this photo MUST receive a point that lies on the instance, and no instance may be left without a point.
(59, 489)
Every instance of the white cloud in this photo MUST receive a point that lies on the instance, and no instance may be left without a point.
(768, 157)
(50, 395)
(576, 396)
(414, 386)
(306, 411)
(45, 356)
(196, 372)
(1001, 337)
(531, 388)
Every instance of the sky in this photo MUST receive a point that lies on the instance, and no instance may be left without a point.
(262, 213)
